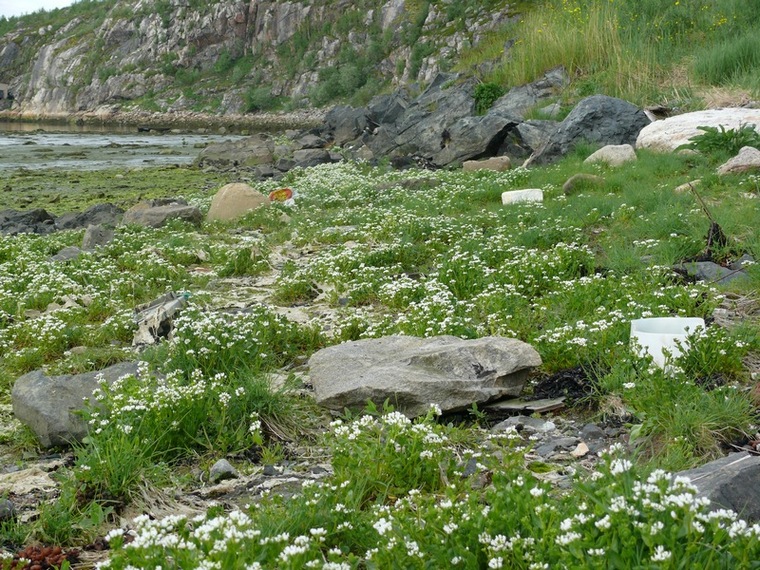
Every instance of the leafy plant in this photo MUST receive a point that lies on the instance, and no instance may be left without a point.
(722, 140)
(485, 96)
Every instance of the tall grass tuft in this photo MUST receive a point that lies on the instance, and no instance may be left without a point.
(730, 61)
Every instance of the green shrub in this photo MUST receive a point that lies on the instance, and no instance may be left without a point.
(722, 140)
(485, 96)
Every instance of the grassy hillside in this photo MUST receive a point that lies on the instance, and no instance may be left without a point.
(650, 51)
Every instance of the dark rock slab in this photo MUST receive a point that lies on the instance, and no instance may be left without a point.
(599, 120)
(100, 214)
(732, 482)
(38, 221)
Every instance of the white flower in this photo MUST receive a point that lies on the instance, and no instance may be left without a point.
(382, 526)
(660, 554)
(496, 562)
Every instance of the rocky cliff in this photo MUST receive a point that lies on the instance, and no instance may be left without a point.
(233, 57)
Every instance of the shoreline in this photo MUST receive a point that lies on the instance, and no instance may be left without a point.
(182, 120)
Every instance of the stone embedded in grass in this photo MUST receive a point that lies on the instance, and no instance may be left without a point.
(157, 213)
(96, 236)
(411, 372)
(222, 470)
(613, 155)
(49, 404)
(581, 181)
(496, 163)
(234, 201)
(748, 159)
(687, 186)
(518, 196)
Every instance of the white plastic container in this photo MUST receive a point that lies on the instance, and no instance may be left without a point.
(654, 335)
(516, 196)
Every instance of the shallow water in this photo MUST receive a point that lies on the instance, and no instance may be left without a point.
(36, 146)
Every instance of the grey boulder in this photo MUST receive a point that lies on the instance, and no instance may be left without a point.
(49, 404)
(598, 119)
(156, 213)
(412, 373)
(731, 482)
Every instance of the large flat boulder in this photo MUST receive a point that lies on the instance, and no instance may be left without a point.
(412, 373)
(49, 404)
(157, 213)
(667, 135)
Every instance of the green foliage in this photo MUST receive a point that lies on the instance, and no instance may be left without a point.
(259, 99)
(485, 96)
(724, 141)
(732, 60)
(618, 518)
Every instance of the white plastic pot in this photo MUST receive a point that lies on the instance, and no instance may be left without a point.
(654, 335)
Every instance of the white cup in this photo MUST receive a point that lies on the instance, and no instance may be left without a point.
(654, 335)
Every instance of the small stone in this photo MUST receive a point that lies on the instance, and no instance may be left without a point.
(613, 155)
(747, 159)
(271, 470)
(222, 470)
(592, 431)
(7, 510)
(96, 235)
(581, 181)
(683, 188)
(66, 254)
(580, 451)
(496, 163)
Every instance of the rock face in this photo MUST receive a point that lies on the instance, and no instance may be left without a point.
(731, 482)
(748, 159)
(175, 52)
(667, 135)
(235, 200)
(156, 213)
(598, 119)
(47, 404)
(413, 373)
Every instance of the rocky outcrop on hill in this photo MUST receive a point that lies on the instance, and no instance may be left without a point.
(229, 56)
(440, 128)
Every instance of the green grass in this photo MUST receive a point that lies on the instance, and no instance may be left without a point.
(413, 252)
(634, 50)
